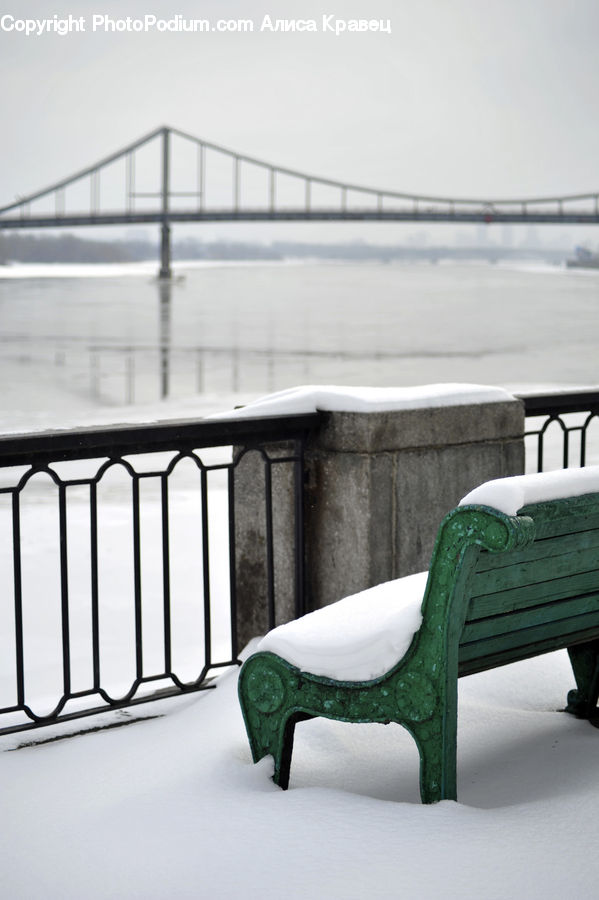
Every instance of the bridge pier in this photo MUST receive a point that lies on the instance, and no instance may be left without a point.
(165, 251)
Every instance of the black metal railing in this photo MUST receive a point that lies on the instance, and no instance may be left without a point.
(78, 560)
(561, 424)
(118, 559)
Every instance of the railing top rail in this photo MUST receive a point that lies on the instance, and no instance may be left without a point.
(563, 401)
(121, 440)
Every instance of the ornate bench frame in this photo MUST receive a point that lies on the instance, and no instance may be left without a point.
(475, 545)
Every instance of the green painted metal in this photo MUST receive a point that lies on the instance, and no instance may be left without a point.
(534, 572)
(528, 596)
(541, 549)
(420, 691)
(565, 606)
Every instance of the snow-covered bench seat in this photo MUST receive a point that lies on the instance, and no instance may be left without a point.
(514, 573)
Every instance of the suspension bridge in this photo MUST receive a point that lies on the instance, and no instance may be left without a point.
(170, 176)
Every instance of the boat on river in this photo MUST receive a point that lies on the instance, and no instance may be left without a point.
(584, 259)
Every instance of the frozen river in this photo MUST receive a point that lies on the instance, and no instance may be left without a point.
(75, 340)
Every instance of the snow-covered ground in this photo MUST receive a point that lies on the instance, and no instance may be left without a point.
(172, 807)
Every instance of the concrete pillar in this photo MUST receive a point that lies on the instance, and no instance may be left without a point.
(378, 485)
(251, 539)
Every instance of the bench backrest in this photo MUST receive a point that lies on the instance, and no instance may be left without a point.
(534, 598)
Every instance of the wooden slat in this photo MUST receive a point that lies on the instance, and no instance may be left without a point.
(546, 528)
(532, 595)
(540, 598)
(537, 572)
(543, 614)
(525, 651)
(566, 631)
(540, 549)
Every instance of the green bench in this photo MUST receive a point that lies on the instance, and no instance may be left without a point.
(500, 588)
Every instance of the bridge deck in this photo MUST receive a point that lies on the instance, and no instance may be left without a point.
(296, 215)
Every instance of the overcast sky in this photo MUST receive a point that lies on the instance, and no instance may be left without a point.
(464, 97)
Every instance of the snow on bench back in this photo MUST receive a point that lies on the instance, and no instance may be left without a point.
(330, 398)
(508, 495)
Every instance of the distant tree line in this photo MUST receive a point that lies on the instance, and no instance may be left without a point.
(64, 248)
(67, 248)
(190, 248)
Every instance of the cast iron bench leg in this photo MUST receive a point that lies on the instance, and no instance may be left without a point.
(438, 778)
(582, 702)
(270, 722)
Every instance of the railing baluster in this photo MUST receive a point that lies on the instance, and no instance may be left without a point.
(137, 579)
(18, 588)
(95, 611)
(206, 570)
(64, 590)
(166, 578)
(583, 438)
(232, 559)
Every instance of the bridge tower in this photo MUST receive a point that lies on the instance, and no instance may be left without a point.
(165, 230)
